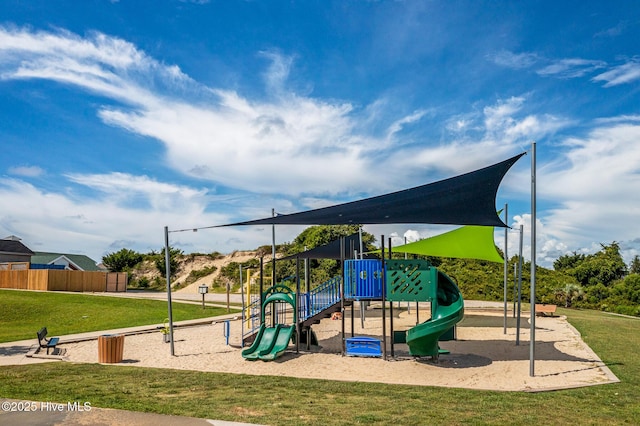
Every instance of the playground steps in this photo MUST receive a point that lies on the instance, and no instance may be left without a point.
(326, 313)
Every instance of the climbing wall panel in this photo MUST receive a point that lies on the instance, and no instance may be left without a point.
(410, 280)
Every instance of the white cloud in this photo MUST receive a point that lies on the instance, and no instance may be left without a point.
(621, 74)
(412, 236)
(100, 64)
(124, 188)
(592, 187)
(619, 119)
(548, 247)
(514, 60)
(398, 125)
(603, 166)
(613, 31)
(286, 143)
(26, 171)
(278, 71)
(251, 145)
(500, 115)
(94, 226)
(571, 68)
(299, 146)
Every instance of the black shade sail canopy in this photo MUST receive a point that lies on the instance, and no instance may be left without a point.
(467, 199)
(330, 250)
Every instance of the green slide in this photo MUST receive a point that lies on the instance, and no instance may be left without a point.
(280, 343)
(270, 343)
(447, 312)
(264, 340)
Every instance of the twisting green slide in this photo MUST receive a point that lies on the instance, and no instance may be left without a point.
(447, 312)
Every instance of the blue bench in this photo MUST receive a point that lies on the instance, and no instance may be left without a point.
(44, 342)
(363, 346)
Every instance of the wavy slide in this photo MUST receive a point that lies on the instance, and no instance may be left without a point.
(270, 343)
(449, 310)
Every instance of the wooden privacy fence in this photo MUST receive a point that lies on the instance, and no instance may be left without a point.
(14, 266)
(56, 280)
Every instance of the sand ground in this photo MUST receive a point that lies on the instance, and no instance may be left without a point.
(481, 357)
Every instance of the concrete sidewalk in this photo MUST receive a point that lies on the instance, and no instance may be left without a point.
(33, 413)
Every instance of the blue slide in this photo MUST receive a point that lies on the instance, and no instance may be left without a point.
(446, 313)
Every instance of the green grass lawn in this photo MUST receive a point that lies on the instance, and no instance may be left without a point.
(22, 313)
(292, 401)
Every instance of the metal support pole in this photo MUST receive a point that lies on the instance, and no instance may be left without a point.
(532, 354)
(273, 250)
(353, 312)
(307, 274)
(391, 312)
(296, 309)
(245, 308)
(506, 263)
(342, 346)
(519, 288)
(261, 283)
(167, 259)
(384, 311)
(515, 288)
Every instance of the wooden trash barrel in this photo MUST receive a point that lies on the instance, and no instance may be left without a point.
(110, 348)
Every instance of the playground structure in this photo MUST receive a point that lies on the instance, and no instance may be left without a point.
(406, 280)
(467, 199)
(276, 316)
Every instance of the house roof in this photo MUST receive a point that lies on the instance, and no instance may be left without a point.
(13, 246)
(80, 260)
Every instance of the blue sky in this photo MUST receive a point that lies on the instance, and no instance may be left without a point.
(120, 117)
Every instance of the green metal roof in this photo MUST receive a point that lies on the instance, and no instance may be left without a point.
(83, 262)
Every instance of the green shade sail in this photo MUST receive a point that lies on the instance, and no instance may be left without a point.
(468, 242)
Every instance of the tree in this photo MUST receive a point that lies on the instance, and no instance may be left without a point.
(161, 263)
(569, 293)
(629, 289)
(568, 261)
(314, 236)
(122, 260)
(634, 267)
(603, 267)
(230, 273)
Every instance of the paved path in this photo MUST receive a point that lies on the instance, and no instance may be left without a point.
(14, 412)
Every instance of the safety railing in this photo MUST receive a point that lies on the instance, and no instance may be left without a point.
(320, 298)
